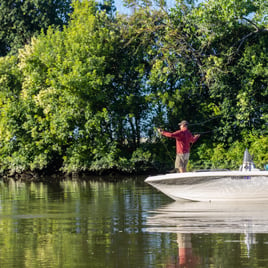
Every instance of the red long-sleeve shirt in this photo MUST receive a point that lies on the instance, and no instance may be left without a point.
(183, 137)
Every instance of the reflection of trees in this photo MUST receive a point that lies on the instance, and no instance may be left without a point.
(72, 223)
(230, 249)
(102, 224)
(39, 223)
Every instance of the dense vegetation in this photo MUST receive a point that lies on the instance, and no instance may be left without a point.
(87, 96)
(20, 20)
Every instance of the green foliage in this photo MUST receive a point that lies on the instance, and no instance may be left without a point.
(258, 149)
(89, 96)
(21, 20)
(219, 156)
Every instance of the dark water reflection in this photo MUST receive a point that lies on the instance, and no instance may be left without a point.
(125, 224)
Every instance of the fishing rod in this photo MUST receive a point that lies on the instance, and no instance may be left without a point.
(204, 122)
(205, 132)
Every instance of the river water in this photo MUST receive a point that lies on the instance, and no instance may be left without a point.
(124, 224)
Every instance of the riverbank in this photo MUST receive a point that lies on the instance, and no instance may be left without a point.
(49, 177)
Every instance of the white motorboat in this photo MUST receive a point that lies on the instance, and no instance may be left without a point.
(248, 183)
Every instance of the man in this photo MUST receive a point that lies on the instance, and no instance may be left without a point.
(184, 139)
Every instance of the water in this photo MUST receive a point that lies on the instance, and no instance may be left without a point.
(124, 224)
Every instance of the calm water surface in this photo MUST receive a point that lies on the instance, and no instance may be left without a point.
(124, 224)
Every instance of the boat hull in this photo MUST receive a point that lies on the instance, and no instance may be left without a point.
(213, 186)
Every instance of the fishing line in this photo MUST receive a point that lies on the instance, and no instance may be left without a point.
(206, 132)
(215, 117)
(204, 122)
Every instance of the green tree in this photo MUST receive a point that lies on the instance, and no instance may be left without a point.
(210, 67)
(82, 98)
(212, 63)
(20, 20)
(236, 65)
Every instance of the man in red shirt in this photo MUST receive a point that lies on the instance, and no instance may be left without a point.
(184, 139)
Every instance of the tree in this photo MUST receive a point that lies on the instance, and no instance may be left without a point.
(210, 66)
(213, 50)
(20, 20)
(77, 90)
(235, 66)
(82, 98)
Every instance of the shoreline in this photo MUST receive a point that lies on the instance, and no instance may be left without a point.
(107, 175)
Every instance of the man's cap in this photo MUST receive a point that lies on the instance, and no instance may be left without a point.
(183, 122)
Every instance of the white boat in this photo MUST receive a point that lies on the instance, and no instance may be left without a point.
(248, 183)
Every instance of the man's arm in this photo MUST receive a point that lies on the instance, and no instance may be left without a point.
(195, 138)
(169, 134)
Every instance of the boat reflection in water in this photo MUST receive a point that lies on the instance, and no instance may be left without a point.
(187, 218)
(210, 217)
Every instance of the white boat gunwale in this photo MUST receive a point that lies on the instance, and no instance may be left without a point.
(209, 174)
